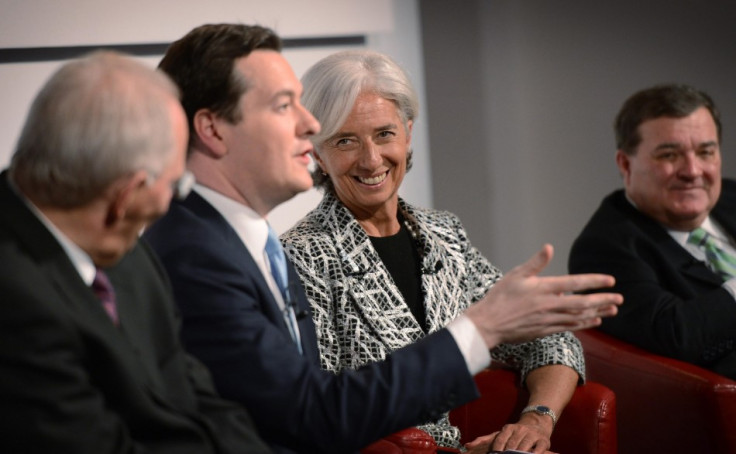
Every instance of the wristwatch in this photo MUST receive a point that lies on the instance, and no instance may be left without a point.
(541, 410)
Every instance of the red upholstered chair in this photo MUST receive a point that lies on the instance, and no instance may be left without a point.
(407, 441)
(587, 426)
(664, 405)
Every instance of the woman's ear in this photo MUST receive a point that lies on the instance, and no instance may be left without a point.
(207, 131)
(318, 160)
(409, 126)
(123, 194)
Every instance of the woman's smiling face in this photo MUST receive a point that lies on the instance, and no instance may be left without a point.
(366, 158)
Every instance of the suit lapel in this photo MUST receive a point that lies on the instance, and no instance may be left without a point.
(432, 256)
(236, 248)
(240, 254)
(66, 285)
(679, 257)
(372, 292)
(50, 255)
(307, 331)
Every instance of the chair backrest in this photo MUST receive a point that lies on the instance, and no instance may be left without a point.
(587, 426)
(664, 405)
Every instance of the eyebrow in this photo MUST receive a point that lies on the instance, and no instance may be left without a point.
(340, 135)
(285, 92)
(670, 145)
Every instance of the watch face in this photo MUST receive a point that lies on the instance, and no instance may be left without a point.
(542, 410)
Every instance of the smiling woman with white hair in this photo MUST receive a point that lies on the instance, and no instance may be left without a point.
(381, 273)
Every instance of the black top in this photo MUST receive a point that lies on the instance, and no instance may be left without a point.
(402, 261)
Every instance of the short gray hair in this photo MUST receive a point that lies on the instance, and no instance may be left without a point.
(95, 120)
(332, 85)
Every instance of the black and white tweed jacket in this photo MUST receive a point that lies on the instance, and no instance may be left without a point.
(359, 312)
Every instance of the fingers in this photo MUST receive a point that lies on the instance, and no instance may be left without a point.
(536, 263)
(481, 444)
(521, 437)
(578, 310)
(590, 305)
(572, 283)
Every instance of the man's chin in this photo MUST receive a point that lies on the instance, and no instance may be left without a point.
(304, 185)
(687, 219)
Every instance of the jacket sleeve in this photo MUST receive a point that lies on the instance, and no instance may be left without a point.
(559, 348)
(293, 401)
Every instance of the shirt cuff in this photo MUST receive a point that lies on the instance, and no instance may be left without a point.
(730, 286)
(471, 344)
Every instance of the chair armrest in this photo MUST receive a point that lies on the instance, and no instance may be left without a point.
(664, 404)
(407, 441)
(587, 426)
(588, 423)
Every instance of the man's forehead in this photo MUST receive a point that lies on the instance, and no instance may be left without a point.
(699, 121)
(266, 69)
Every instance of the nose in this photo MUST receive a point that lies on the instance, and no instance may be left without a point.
(370, 156)
(691, 166)
(307, 125)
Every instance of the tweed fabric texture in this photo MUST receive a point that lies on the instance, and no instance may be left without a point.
(359, 312)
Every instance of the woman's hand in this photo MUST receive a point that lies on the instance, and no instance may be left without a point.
(529, 434)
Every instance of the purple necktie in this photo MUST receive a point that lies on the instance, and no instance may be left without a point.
(104, 291)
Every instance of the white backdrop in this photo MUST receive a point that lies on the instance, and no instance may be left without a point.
(390, 26)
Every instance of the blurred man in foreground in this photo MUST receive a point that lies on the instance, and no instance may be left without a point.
(89, 348)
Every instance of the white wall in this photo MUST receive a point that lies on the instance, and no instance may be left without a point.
(540, 83)
(391, 26)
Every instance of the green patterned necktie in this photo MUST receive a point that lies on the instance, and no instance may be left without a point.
(721, 261)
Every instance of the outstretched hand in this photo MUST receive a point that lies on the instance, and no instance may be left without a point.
(522, 305)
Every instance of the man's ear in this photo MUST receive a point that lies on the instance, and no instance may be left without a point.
(623, 161)
(122, 194)
(207, 130)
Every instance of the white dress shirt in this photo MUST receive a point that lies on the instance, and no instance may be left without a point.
(80, 259)
(253, 232)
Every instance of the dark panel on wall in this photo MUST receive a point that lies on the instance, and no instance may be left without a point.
(39, 54)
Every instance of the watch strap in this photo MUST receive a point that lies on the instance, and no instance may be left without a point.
(541, 410)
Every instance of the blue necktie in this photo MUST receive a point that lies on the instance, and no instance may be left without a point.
(721, 261)
(277, 260)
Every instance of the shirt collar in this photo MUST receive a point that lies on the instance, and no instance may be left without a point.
(708, 225)
(81, 260)
(249, 225)
(681, 237)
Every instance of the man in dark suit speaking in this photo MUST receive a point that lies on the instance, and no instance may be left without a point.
(249, 149)
(668, 236)
(90, 356)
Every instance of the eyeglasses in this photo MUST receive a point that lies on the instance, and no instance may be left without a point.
(183, 186)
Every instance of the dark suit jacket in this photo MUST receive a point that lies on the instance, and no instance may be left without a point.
(71, 382)
(673, 304)
(231, 322)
